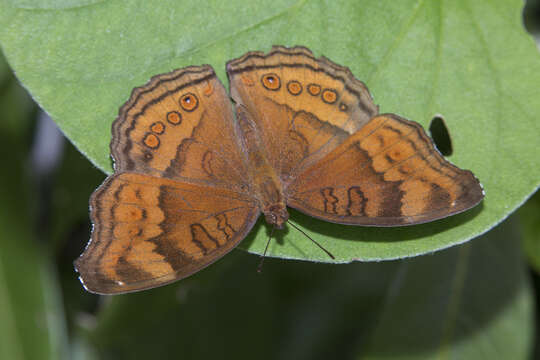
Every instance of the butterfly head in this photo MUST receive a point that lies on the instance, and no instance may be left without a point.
(276, 215)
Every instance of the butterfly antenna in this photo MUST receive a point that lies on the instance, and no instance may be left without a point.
(259, 268)
(316, 243)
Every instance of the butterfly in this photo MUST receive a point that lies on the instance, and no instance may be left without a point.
(192, 176)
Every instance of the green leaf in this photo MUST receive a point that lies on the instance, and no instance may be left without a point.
(529, 218)
(32, 324)
(469, 302)
(51, 4)
(470, 62)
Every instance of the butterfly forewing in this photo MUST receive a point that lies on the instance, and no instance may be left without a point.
(303, 107)
(181, 126)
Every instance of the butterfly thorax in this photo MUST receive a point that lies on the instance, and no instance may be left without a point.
(267, 186)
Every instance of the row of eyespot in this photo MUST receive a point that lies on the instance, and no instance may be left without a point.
(272, 82)
(188, 102)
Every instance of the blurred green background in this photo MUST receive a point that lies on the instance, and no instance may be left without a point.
(472, 301)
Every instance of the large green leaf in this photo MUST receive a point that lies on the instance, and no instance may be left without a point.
(473, 301)
(469, 61)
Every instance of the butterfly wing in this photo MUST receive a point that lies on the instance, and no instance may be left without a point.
(151, 231)
(180, 125)
(386, 174)
(303, 107)
(179, 198)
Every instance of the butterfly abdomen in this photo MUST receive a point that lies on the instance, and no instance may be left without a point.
(268, 189)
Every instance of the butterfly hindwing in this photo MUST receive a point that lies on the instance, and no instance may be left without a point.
(386, 174)
(150, 231)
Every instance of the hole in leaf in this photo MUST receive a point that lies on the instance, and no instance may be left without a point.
(531, 17)
(440, 135)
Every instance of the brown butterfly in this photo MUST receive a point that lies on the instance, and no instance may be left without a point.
(191, 179)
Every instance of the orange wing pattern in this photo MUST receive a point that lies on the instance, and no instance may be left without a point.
(190, 180)
(150, 231)
(304, 107)
(386, 174)
(180, 126)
